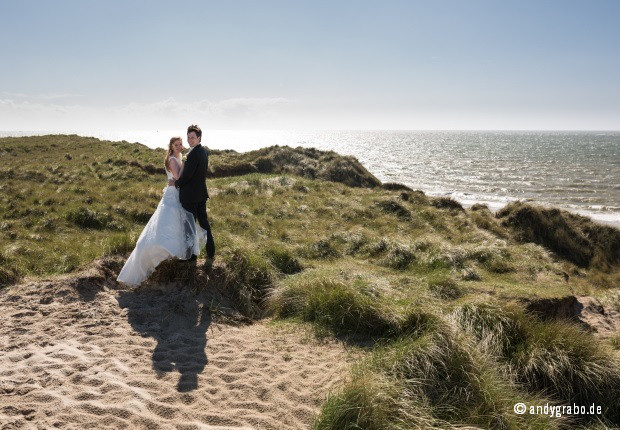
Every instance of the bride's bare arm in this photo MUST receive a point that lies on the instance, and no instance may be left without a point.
(175, 169)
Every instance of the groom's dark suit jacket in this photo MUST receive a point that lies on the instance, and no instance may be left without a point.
(192, 182)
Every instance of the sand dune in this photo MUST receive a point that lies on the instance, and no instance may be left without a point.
(82, 352)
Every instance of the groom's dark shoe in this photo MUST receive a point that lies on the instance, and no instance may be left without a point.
(192, 258)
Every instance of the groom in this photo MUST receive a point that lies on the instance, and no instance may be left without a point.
(192, 187)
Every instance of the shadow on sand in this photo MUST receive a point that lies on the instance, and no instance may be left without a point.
(178, 320)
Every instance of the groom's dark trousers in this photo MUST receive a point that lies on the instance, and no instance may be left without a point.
(193, 190)
(199, 210)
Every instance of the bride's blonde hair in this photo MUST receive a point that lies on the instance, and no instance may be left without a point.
(170, 151)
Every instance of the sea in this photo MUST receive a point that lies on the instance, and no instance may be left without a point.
(574, 170)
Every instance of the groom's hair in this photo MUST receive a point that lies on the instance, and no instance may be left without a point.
(196, 130)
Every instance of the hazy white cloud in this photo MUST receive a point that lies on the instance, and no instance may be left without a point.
(44, 96)
(168, 113)
(230, 108)
(27, 115)
(283, 113)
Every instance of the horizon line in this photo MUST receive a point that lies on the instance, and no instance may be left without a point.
(78, 132)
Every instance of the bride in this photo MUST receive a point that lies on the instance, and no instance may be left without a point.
(171, 230)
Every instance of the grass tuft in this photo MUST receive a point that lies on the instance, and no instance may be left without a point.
(435, 380)
(570, 365)
(9, 276)
(87, 218)
(249, 277)
(394, 186)
(498, 330)
(346, 309)
(336, 306)
(283, 260)
(366, 402)
(399, 257)
(324, 249)
(573, 237)
(394, 207)
(446, 203)
(120, 244)
(555, 357)
(416, 197)
(446, 289)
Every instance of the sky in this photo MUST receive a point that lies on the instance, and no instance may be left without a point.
(337, 64)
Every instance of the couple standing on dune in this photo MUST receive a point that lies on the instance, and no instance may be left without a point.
(172, 230)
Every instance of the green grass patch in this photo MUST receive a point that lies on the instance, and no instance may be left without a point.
(435, 379)
(249, 277)
(283, 260)
(554, 357)
(573, 237)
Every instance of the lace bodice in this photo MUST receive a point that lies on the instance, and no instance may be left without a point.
(168, 172)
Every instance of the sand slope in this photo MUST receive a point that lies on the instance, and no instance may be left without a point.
(81, 352)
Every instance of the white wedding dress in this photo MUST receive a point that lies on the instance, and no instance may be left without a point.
(170, 232)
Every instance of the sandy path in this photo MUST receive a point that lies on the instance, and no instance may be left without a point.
(73, 356)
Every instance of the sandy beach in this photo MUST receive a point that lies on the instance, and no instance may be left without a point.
(80, 352)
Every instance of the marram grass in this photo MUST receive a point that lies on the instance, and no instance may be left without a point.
(436, 379)
(555, 357)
